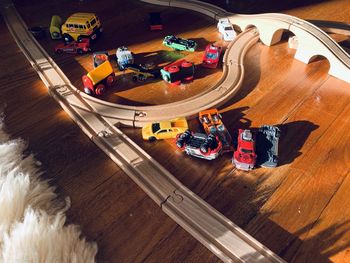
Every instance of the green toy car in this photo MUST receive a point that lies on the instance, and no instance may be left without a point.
(179, 43)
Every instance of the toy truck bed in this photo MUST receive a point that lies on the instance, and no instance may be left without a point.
(101, 72)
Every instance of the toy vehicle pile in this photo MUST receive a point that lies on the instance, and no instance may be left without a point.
(250, 149)
(81, 29)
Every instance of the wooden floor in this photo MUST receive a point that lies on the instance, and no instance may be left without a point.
(299, 210)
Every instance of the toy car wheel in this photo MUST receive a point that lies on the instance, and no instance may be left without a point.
(67, 38)
(87, 91)
(100, 89)
(168, 43)
(204, 150)
(80, 38)
(80, 51)
(152, 139)
(141, 78)
(55, 35)
(59, 51)
(181, 145)
(37, 31)
(166, 78)
(110, 80)
(134, 78)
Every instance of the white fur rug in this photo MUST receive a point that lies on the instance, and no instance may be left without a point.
(32, 218)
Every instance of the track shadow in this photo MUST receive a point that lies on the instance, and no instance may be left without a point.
(158, 58)
(201, 43)
(293, 137)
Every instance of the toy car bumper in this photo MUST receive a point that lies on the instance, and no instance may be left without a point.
(243, 166)
(156, 27)
(208, 64)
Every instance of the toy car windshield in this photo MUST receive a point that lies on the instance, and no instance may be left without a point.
(155, 127)
(212, 55)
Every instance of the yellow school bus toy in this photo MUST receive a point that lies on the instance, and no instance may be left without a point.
(81, 25)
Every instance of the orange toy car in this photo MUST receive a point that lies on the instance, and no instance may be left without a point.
(210, 119)
(212, 124)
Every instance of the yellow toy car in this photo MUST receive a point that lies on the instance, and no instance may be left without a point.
(81, 25)
(164, 129)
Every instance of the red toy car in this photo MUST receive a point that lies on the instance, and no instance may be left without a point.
(178, 71)
(211, 56)
(74, 47)
(244, 158)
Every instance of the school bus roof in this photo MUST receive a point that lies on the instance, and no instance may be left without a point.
(101, 72)
(81, 17)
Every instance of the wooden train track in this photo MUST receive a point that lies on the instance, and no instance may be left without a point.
(217, 233)
(312, 40)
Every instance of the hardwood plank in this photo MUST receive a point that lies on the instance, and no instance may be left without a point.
(310, 175)
(330, 233)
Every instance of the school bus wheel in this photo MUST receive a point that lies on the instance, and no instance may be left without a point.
(80, 38)
(67, 38)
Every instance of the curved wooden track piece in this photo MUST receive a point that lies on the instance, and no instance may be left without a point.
(216, 232)
(312, 40)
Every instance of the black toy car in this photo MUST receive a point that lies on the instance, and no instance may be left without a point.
(142, 73)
